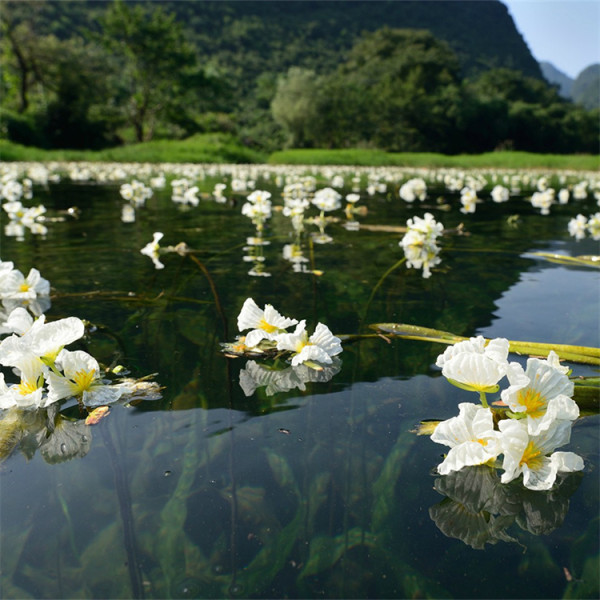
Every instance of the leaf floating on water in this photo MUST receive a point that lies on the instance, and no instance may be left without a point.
(580, 354)
(97, 415)
(563, 259)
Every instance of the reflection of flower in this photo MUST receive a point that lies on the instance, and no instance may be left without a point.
(471, 438)
(151, 249)
(256, 375)
(478, 508)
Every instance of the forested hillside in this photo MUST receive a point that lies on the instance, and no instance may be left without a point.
(453, 76)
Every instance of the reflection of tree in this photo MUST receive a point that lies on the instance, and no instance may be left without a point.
(478, 509)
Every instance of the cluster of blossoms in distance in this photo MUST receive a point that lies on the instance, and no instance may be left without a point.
(419, 243)
(268, 332)
(536, 418)
(580, 225)
(35, 350)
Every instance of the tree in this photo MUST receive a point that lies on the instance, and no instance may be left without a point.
(294, 105)
(398, 90)
(156, 63)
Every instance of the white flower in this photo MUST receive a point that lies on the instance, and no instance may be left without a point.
(543, 391)
(499, 193)
(319, 347)
(563, 196)
(527, 454)
(413, 189)
(577, 227)
(471, 438)
(151, 249)
(15, 286)
(543, 200)
(265, 324)
(593, 226)
(81, 380)
(468, 199)
(327, 199)
(473, 365)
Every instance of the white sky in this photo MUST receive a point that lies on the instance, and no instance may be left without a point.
(563, 32)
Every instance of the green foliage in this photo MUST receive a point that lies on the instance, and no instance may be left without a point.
(153, 59)
(294, 105)
(209, 148)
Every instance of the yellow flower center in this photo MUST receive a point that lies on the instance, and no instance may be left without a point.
(482, 442)
(533, 401)
(27, 387)
(267, 326)
(84, 379)
(532, 457)
(24, 287)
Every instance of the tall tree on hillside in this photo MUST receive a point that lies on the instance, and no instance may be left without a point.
(398, 90)
(22, 51)
(154, 62)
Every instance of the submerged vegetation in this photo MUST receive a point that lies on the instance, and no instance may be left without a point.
(280, 457)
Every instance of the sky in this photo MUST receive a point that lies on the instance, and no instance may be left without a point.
(565, 33)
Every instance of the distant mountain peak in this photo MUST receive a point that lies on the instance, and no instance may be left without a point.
(557, 77)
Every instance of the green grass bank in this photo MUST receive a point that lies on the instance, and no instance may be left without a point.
(222, 148)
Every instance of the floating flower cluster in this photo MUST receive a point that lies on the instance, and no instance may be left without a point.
(35, 350)
(419, 243)
(268, 337)
(580, 225)
(536, 418)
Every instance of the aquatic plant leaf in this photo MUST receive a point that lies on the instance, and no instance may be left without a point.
(582, 354)
(384, 488)
(271, 559)
(326, 551)
(562, 259)
(281, 470)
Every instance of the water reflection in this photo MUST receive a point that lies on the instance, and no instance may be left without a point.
(478, 508)
(255, 479)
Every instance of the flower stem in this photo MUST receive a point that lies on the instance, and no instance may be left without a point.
(483, 400)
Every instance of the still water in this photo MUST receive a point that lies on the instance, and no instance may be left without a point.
(236, 485)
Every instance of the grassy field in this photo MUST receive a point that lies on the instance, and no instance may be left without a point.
(499, 160)
(222, 148)
(206, 148)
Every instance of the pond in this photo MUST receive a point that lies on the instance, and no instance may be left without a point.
(245, 477)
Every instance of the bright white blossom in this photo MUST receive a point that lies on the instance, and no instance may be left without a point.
(475, 365)
(470, 436)
(532, 455)
(265, 324)
(542, 391)
(319, 347)
(81, 380)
